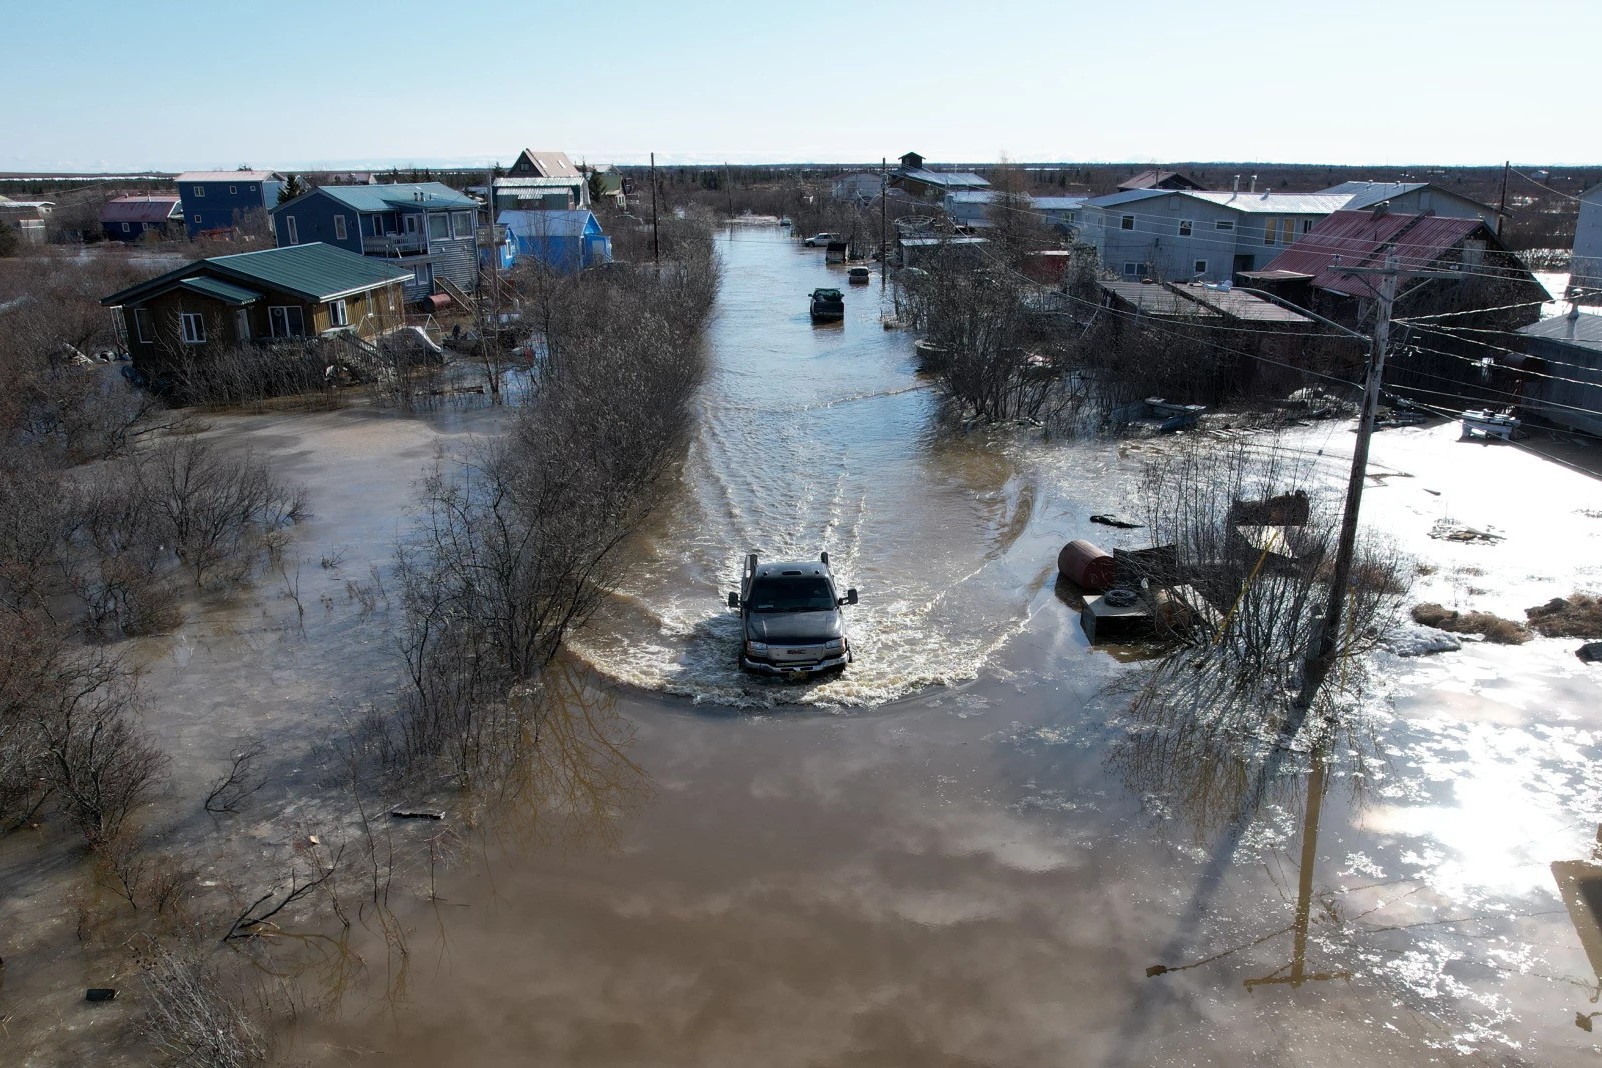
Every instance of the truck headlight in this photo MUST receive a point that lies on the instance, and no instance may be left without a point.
(756, 647)
(834, 643)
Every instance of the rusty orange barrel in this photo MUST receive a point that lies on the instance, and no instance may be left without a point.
(1086, 565)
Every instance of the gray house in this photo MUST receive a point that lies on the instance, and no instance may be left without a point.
(1187, 234)
(425, 228)
(1564, 364)
(1585, 269)
(1412, 198)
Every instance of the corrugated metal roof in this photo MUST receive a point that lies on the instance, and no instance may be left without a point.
(152, 209)
(931, 242)
(1059, 203)
(1152, 299)
(972, 196)
(945, 179)
(314, 272)
(1271, 203)
(538, 224)
(392, 197)
(1583, 330)
(1116, 200)
(1237, 305)
(551, 164)
(223, 291)
(1361, 239)
(229, 176)
(538, 183)
(1151, 179)
(1365, 194)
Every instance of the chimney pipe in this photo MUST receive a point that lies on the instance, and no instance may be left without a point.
(1254, 184)
(1236, 187)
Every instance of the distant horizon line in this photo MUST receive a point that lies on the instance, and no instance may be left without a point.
(460, 164)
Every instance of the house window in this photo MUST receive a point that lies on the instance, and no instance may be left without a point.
(125, 228)
(1270, 228)
(1199, 267)
(411, 224)
(1287, 231)
(242, 324)
(1307, 224)
(233, 190)
(522, 166)
(1131, 270)
(200, 190)
(339, 228)
(464, 223)
(285, 321)
(251, 188)
(1225, 224)
(1126, 223)
(1184, 227)
(423, 274)
(439, 226)
(142, 325)
(294, 235)
(197, 218)
(337, 315)
(194, 328)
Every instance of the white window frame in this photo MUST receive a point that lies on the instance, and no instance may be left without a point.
(1271, 232)
(1225, 224)
(1287, 232)
(193, 326)
(1132, 270)
(419, 270)
(272, 322)
(141, 318)
(233, 190)
(294, 232)
(197, 218)
(242, 324)
(411, 224)
(1126, 222)
(458, 216)
(338, 313)
(339, 228)
(1199, 267)
(125, 228)
(250, 188)
(1307, 224)
(1186, 226)
(200, 190)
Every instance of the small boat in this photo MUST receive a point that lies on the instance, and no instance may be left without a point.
(859, 276)
(828, 305)
(930, 357)
(785, 221)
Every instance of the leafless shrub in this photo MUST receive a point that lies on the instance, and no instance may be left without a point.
(1248, 585)
(237, 783)
(255, 917)
(214, 507)
(196, 1012)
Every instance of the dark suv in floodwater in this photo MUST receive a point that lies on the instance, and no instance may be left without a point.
(790, 616)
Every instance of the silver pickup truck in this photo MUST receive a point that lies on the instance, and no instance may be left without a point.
(790, 616)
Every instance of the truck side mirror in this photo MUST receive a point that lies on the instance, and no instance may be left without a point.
(851, 595)
(734, 599)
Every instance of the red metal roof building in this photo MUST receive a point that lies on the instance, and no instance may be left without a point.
(1348, 239)
(127, 218)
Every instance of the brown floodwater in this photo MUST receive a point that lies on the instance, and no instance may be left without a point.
(970, 850)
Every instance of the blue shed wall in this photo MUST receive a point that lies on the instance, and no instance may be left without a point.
(314, 221)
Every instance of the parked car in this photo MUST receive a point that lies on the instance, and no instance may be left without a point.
(821, 240)
(790, 618)
(859, 276)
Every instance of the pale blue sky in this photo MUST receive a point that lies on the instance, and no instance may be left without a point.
(111, 84)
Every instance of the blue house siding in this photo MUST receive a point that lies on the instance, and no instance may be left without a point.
(219, 204)
(564, 241)
(310, 218)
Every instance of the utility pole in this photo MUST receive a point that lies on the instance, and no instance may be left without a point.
(884, 222)
(656, 248)
(1501, 207)
(1326, 631)
(728, 188)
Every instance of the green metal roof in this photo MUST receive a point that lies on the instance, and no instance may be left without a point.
(396, 197)
(313, 272)
(223, 291)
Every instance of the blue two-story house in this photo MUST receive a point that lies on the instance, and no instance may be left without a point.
(426, 228)
(217, 201)
(564, 241)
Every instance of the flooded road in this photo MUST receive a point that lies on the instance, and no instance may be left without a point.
(1014, 868)
(821, 438)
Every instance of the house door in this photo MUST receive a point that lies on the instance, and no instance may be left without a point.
(411, 224)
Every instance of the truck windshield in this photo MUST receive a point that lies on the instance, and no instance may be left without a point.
(801, 593)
